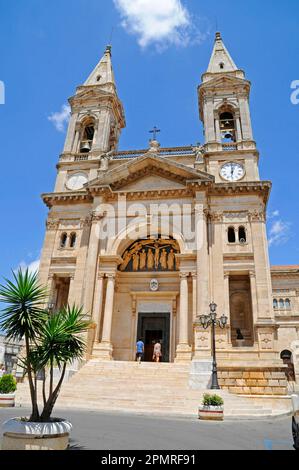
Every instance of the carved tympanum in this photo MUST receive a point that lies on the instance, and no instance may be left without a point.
(150, 255)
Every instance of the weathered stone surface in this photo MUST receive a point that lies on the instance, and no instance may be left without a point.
(92, 272)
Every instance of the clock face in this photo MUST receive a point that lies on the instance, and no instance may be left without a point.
(76, 181)
(232, 171)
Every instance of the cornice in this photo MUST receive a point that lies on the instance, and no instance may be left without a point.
(259, 187)
(51, 199)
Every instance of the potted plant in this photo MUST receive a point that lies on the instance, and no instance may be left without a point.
(212, 408)
(8, 386)
(51, 341)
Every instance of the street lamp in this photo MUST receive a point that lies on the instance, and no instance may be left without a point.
(211, 320)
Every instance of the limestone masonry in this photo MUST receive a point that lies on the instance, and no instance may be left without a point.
(146, 239)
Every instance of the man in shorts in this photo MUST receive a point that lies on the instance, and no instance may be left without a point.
(139, 350)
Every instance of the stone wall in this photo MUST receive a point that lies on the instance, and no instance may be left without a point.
(253, 380)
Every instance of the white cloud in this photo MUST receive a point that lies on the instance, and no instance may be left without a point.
(273, 214)
(32, 267)
(60, 119)
(279, 233)
(159, 22)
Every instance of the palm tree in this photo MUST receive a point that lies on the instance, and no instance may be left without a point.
(60, 343)
(23, 317)
(51, 340)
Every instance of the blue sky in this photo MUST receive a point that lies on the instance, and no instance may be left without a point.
(48, 48)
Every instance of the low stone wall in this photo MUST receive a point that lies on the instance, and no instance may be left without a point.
(253, 380)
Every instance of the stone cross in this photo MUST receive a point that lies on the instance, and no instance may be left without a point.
(155, 131)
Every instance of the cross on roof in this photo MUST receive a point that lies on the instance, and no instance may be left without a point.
(155, 131)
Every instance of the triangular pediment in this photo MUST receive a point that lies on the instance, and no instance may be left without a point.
(149, 172)
(89, 92)
(224, 80)
(152, 182)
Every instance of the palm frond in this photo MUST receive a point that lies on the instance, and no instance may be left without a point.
(24, 300)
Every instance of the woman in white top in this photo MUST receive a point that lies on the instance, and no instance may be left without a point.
(157, 352)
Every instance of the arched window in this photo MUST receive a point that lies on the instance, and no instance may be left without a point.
(221, 65)
(242, 235)
(288, 304)
(87, 136)
(231, 235)
(73, 239)
(281, 304)
(275, 304)
(227, 127)
(63, 240)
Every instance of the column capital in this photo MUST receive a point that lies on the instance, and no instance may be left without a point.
(257, 215)
(111, 276)
(194, 274)
(252, 274)
(184, 275)
(52, 224)
(101, 275)
(226, 275)
(216, 216)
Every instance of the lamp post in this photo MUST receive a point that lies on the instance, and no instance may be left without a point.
(211, 320)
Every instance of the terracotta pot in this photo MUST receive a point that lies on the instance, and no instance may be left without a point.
(211, 413)
(25, 435)
(7, 400)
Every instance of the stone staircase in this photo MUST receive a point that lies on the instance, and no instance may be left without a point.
(150, 388)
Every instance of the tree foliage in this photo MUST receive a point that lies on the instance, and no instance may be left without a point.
(52, 340)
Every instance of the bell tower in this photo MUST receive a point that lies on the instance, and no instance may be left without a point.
(97, 114)
(225, 113)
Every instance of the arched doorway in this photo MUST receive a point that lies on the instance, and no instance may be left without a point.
(287, 359)
(149, 274)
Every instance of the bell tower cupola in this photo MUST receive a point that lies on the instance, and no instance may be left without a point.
(97, 114)
(224, 110)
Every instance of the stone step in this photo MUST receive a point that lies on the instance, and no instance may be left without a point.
(145, 388)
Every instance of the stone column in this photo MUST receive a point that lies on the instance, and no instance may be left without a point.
(183, 349)
(238, 128)
(103, 130)
(245, 118)
(91, 264)
(48, 249)
(105, 348)
(218, 131)
(194, 295)
(227, 303)
(203, 269)
(71, 300)
(209, 120)
(70, 133)
(97, 306)
(263, 279)
(253, 296)
(75, 147)
(133, 328)
(51, 289)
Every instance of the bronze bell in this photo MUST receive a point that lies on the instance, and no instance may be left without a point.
(85, 147)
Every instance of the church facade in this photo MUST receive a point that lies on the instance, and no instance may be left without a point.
(146, 239)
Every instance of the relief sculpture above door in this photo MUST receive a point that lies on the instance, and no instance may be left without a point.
(150, 255)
